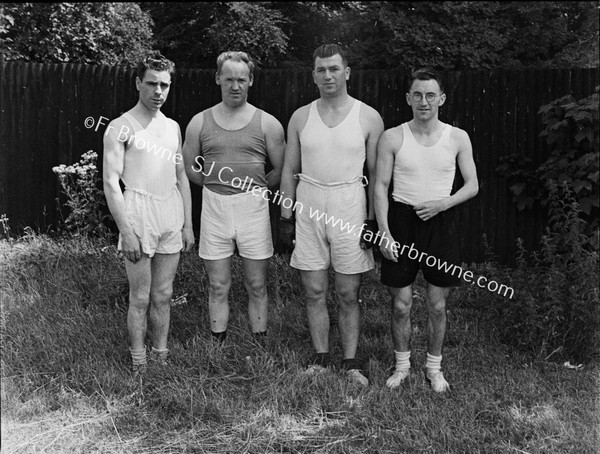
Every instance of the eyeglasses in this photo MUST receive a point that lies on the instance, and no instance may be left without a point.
(418, 97)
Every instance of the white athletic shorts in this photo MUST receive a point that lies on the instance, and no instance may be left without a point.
(238, 219)
(157, 221)
(328, 224)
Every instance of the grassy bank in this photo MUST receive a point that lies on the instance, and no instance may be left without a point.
(66, 385)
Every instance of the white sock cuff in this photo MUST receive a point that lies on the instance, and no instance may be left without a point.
(138, 356)
(434, 362)
(402, 359)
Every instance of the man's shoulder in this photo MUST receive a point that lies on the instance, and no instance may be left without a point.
(367, 110)
(396, 132)
(300, 115)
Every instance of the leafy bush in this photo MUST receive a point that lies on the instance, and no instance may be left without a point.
(81, 186)
(556, 303)
(571, 131)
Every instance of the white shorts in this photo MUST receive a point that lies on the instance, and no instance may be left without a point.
(334, 239)
(156, 221)
(230, 220)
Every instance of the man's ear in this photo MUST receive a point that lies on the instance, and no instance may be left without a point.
(138, 82)
(442, 99)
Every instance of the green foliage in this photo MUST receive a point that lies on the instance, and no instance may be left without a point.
(250, 27)
(571, 131)
(88, 32)
(81, 185)
(194, 34)
(446, 35)
(557, 302)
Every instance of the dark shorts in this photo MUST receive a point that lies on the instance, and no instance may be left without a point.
(428, 245)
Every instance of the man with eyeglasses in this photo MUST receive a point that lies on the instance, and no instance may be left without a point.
(417, 226)
(226, 149)
(142, 148)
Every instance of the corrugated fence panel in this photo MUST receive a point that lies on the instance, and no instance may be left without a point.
(44, 108)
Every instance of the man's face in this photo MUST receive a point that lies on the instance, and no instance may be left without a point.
(235, 81)
(330, 74)
(154, 89)
(422, 108)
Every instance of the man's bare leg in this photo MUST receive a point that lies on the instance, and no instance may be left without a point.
(164, 268)
(436, 331)
(315, 285)
(255, 281)
(401, 333)
(347, 287)
(219, 276)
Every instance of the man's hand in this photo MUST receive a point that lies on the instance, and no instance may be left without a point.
(389, 249)
(431, 208)
(368, 234)
(286, 237)
(130, 247)
(188, 239)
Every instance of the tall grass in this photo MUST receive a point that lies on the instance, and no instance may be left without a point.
(66, 385)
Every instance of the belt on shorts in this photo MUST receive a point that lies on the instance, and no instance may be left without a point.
(149, 194)
(303, 177)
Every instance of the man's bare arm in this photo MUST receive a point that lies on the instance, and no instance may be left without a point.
(192, 151)
(275, 140)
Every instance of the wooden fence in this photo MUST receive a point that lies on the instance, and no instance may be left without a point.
(44, 107)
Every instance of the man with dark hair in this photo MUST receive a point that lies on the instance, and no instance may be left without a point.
(226, 148)
(419, 158)
(154, 214)
(329, 141)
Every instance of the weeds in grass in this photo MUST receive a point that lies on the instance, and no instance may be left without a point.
(66, 385)
(556, 308)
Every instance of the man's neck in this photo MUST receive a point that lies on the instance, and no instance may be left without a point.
(337, 102)
(427, 127)
(231, 111)
(144, 113)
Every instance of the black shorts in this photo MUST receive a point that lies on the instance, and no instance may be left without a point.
(428, 245)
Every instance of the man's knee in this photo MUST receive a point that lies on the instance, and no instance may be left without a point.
(256, 288)
(162, 293)
(219, 286)
(401, 303)
(347, 296)
(139, 297)
(437, 307)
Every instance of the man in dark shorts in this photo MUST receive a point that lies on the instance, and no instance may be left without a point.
(417, 227)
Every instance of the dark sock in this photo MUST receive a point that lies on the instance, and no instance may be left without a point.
(351, 363)
(220, 336)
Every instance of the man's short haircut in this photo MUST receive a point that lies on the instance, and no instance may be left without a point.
(426, 74)
(235, 56)
(329, 50)
(155, 61)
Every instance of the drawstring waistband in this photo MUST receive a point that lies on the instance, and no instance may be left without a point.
(149, 194)
(303, 177)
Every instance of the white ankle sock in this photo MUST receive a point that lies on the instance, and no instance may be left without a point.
(402, 360)
(138, 357)
(433, 362)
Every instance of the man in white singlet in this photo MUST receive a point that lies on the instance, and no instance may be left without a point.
(329, 141)
(226, 148)
(142, 148)
(417, 227)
